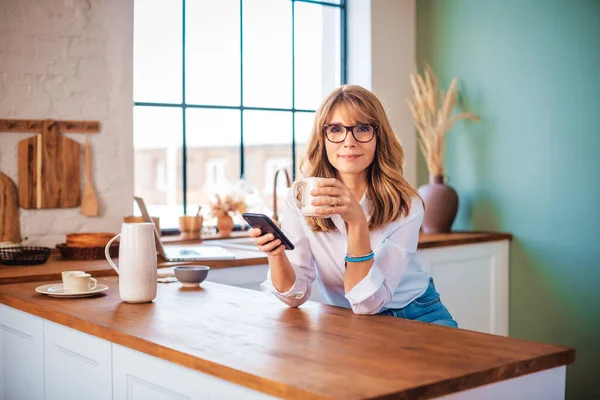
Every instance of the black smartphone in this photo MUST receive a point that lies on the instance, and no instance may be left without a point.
(266, 225)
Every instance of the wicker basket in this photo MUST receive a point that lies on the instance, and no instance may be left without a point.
(24, 255)
(86, 253)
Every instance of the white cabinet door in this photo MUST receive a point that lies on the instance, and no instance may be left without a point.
(473, 283)
(21, 355)
(77, 365)
(249, 277)
(138, 376)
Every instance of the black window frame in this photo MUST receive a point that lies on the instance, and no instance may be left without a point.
(184, 105)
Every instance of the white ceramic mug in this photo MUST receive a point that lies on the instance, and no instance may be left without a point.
(82, 283)
(137, 262)
(301, 190)
(66, 278)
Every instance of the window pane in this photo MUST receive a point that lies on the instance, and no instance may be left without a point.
(213, 52)
(317, 53)
(157, 133)
(213, 154)
(304, 122)
(267, 53)
(157, 51)
(267, 147)
(326, 1)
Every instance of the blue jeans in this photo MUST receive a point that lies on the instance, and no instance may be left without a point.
(425, 308)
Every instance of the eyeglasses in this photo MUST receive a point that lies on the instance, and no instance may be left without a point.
(337, 133)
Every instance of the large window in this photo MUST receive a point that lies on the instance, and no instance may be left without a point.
(225, 93)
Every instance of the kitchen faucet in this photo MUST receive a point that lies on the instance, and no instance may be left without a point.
(289, 183)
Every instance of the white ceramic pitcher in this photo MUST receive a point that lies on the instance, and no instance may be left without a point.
(137, 262)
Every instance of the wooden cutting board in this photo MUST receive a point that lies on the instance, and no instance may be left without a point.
(49, 170)
(10, 230)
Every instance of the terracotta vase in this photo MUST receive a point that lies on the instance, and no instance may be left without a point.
(441, 205)
(225, 225)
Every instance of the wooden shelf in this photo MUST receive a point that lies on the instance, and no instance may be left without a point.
(36, 126)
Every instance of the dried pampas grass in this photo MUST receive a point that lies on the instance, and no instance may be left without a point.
(433, 116)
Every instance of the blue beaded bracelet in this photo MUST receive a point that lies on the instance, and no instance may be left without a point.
(360, 258)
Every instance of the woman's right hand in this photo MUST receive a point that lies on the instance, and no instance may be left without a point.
(267, 242)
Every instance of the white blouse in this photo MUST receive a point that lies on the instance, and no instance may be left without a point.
(396, 278)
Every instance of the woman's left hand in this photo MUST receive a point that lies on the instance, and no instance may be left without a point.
(337, 199)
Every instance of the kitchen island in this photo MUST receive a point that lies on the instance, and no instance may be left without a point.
(220, 341)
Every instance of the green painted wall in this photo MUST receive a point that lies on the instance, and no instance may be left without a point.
(531, 70)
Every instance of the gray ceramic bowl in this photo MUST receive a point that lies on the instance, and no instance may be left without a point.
(191, 276)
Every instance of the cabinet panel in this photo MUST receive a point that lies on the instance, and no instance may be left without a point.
(466, 288)
(248, 277)
(21, 355)
(251, 277)
(77, 365)
(473, 283)
(138, 376)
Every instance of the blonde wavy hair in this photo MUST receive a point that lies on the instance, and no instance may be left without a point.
(387, 189)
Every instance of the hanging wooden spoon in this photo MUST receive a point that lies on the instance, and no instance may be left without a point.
(89, 202)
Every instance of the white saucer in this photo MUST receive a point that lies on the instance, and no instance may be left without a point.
(57, 290)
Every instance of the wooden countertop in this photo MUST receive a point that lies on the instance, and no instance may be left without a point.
(55, 265)
(315, 351)
(433, 240)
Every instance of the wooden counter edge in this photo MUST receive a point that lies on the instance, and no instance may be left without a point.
(213, 264)
(279, 389)
(482, 237)
(50, 277)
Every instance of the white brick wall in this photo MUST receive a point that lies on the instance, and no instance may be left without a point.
(71, 59)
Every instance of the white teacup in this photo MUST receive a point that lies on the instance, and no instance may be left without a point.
(82, 283)
(301, 190)
(66, 278)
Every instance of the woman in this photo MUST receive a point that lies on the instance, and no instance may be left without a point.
(364, 254)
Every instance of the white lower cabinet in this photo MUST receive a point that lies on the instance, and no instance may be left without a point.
(472, 281)
(77, 365)
(250, 277)
(138, 376)
(21, 355)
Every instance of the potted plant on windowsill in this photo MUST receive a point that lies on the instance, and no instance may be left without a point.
(433, 117)
(222, 207)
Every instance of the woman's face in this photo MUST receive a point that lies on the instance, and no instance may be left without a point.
(349, 157)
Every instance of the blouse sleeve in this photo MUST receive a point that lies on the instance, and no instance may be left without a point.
(300, 258)
(392, 258)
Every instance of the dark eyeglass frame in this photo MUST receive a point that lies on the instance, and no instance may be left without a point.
(351, 129)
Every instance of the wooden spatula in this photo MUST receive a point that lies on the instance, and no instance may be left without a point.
(89, 202)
